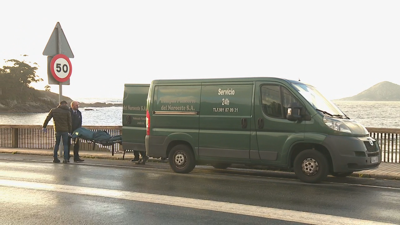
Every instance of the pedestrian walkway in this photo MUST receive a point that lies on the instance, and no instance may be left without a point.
(384, 171)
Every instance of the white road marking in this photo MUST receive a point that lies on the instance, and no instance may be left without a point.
(225, 207)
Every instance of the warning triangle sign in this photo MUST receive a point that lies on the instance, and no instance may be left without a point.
(58, 43)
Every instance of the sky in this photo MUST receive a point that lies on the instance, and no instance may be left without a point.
(340, 47)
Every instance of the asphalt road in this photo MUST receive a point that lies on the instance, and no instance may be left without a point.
(36, 191)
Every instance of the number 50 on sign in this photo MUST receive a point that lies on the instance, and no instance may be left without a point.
(61, 67)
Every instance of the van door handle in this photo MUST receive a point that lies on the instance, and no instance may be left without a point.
(244, 123)
(260, 123)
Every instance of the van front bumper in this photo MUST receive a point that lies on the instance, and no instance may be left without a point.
(351, 154)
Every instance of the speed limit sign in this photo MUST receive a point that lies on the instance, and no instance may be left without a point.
(61, 67)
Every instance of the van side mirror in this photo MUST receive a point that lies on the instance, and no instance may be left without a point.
(294, 112)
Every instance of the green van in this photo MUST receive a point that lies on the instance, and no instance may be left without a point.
(134, 116)
(254, 121)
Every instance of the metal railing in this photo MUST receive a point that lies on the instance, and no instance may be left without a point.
(389, 141)
(32, 137)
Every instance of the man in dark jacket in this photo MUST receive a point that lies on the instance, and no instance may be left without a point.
(76, 116)
(62, 126)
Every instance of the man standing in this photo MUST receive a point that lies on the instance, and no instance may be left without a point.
(62, 126)
(76, 116)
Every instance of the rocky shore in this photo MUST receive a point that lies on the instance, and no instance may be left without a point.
(98, 104)
(42, 102)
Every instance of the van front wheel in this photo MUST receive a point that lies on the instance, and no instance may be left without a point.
(181, 159)
(311, 166)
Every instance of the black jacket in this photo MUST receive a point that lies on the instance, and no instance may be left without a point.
(61, 119)
(76, 119)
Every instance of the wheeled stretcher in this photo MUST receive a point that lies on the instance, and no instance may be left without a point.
(96, 137)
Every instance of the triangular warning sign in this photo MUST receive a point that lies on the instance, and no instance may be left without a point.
(58, 43)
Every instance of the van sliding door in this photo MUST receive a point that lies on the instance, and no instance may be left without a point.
(225, 121)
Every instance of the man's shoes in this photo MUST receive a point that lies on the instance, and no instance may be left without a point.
(135, 159)
(56, 161)
(65, 161)
(164, 159)
(142, 161)
(78, 160)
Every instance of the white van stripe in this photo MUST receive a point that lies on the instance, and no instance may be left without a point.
(225, 207)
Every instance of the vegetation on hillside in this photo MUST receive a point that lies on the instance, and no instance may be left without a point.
(16, 94)
(15, 79)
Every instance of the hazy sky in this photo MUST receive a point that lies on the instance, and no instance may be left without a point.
(341, 47)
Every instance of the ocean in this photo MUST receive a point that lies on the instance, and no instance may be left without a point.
(92, 116)
(368, 113)
(372, 113)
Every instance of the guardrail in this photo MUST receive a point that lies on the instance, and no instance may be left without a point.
(32, 137)
(389, 141)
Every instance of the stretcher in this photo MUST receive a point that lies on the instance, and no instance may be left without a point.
(96, 137)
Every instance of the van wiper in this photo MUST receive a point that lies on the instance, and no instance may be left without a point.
(324, 112)
(329, 114)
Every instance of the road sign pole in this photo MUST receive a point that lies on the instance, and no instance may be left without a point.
(59, 52)
(60, 66)
(61, 148)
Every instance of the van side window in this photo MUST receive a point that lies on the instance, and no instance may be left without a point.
(288, 98)
(276, 100)
(271, 101)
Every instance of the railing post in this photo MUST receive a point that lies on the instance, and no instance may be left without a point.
(14, 137)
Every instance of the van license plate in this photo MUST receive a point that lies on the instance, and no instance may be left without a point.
(374, 159)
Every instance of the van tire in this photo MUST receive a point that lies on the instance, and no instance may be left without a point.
(344, 174)
(311, 166)
(181, 159)
(221, 165)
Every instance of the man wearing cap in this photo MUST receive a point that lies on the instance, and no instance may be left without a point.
(62, 127)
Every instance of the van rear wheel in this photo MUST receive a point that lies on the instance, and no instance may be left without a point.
(311, 166)
(181, 159)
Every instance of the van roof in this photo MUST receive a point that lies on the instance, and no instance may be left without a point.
(233, 79)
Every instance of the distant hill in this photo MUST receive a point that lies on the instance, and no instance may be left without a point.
(383, 91)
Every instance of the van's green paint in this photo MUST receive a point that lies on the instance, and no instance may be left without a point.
(225, 120)
(134, 116)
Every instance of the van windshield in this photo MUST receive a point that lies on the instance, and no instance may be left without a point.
(315, 98)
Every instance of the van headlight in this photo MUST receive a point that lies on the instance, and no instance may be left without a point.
(336, 125)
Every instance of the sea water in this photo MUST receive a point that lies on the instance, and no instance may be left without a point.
(368, 113)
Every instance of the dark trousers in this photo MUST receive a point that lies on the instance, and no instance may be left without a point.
(76, 147)
(64, 137)
(136, 154)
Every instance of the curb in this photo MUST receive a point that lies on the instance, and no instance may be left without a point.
(88, 155)
(82, 155)
(376, 176)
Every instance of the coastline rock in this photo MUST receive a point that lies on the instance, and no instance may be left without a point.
(41, 102)
(98, 104)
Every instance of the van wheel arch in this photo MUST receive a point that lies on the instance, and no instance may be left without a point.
(174, 143)
(297, 148)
